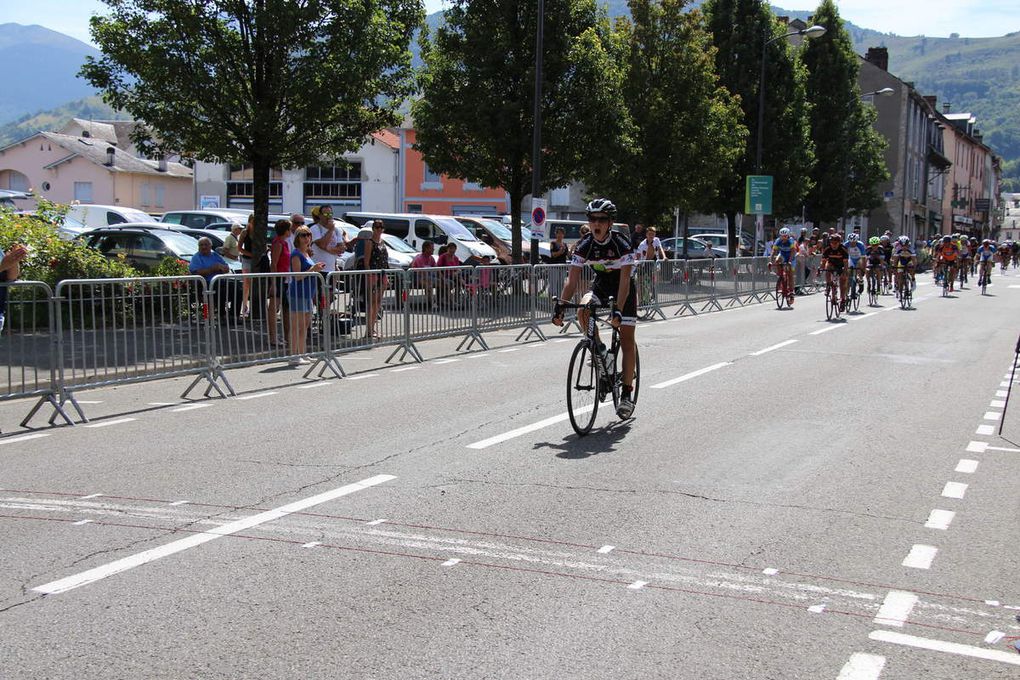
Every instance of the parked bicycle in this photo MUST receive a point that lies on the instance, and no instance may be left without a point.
(595, 371)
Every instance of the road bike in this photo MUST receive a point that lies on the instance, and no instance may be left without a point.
(594, 375)
(947, 279)
(854, 300)
(784, 294)
(873, 286)
(904, 288)
(832, 306)
(986, 273)
(964, 268)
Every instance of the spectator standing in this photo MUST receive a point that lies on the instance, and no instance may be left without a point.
(247, 262)
(296, 220)
(10, 270)
(279, 262)
(301, 294)
(558, 249)
(425, 280)
(651, 247)
(328, 241)
(230, 249)
(637, 236)
(377, 262)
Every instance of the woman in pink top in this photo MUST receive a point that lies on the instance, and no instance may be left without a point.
(448, 256)
(279, 261)
(425, 280)
(449, 282)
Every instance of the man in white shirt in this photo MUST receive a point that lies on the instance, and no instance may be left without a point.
(327, 243)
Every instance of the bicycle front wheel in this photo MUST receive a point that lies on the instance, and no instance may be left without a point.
(583, 389)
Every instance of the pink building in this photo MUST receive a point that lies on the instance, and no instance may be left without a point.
(94, 162)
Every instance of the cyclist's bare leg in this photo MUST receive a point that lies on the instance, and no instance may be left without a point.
(628, 345)
(842, 285)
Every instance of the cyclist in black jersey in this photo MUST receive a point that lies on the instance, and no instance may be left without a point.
(609, 253)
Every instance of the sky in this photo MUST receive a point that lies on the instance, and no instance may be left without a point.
(933, 18)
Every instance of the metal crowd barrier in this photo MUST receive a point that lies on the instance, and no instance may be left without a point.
(28, 347)
(118, 331)
(103, 332)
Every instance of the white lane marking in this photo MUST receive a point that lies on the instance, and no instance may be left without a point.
(864, 316)
(445, 361)
(954, 490)
(563, 340)
(366, 375)
(896, 608)
(770, 571)
(82, 401)
(91, 495)
(862, 666)
(977, 447)
(23, 438)
(943, 646)
(994, 637)
(606, 549)
(311, 544)
(81, 522)
(816, 609)
(450, 562)
(992, 415)
(405, 368)
(257, 395)
(992, 603)
(939, 519)
(317, 383)
(163, 403)
(693, 374)
(180, 503)
(772, 348)
(826, 329)
(477, 356)
(985, 430)
(374, 522)
(511, 349)
(111, 422)
(967, 466)
(1002, 448)
(996, 403)
(189, 407)
(92, 575)
(485, 443)
(920, 556)
(638, 585)
(1001, 393)
(1004, 384)
(1014, 286)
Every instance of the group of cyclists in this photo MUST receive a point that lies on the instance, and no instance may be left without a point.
(888, 264)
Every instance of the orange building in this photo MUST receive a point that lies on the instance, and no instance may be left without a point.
(424, 191)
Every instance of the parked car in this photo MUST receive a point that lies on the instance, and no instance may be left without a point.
(500, 237)
(696, 249)
(8, 196)
(67, 228)
(144, 245)
(416, 229)
(105, 215)
(400, 253)
(201, 219)
(719, 240)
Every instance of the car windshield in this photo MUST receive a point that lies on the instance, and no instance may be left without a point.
(498, 230)
(182, 244)
(136, 215)
(394, 243)
(455, 229)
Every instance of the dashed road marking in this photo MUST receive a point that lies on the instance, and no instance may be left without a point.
(189, 407)
(107, 423)
(954, 490)
(22, 438)
(772, 348)
(940, 519)
(826, 329)
(317, 383)
(363, 376)
(638, 585)
(896, 608)
(862, 666)
(606, 549)
(440, 362)
(985, 430)
(485, 443)
(257, 395)
(992, 415)
(967, 466)
(450, 562)
(692, 374)
(920, 556)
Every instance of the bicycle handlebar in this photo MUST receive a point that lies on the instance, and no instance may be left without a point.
(572, 305)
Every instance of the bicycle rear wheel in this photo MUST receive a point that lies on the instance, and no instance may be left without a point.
(780, 293)
(828, 302)
(583, 389)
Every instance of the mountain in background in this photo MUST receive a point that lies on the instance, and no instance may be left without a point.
(979, 75)
(40, 70)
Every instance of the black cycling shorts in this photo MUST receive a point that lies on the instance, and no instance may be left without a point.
(602, 293)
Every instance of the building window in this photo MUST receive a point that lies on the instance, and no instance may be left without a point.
(83, 192)
(338, 185)
(160, 195)
(472, 186)
(13, 180)
(433, 180)
(560, 196)
(414, 207)
(144, 194)
(241, 194)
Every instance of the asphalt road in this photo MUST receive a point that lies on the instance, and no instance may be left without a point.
(828, 501)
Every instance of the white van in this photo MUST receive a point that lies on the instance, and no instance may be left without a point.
(94, 216)
(416, 229)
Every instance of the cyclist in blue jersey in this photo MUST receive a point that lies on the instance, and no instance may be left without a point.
(609, 253)
(904, 260)
(784, 255)
(986, 261)
(857, 253)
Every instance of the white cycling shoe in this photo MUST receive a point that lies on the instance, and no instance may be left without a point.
(625, 409)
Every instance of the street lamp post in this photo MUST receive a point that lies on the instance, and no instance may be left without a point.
(536, 144)
(810, 32)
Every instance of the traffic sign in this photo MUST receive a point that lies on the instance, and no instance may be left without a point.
(758, 195)
(538, 208)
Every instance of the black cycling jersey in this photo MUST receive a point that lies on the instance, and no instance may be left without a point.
(606, 258)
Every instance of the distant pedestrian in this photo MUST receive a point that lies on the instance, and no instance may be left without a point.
(301, 293)
(230, 249)
(328, 240)
(558, 249)
(10, 270)
(377, 262)
(425, 280)
(248, 258)
(637, 236)
(650, 248)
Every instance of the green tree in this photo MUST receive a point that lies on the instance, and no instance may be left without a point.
(265, 83)
(849, 151)
(687, 129)
(475, 117)
(739, 29)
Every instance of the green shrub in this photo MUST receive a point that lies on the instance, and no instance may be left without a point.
(170, 266)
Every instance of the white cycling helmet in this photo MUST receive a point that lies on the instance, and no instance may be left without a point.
(785, 231)
(885, 237)
(904, 239)
(852, 237)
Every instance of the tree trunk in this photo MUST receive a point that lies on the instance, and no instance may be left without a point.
(731, 234)
(260, 175)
